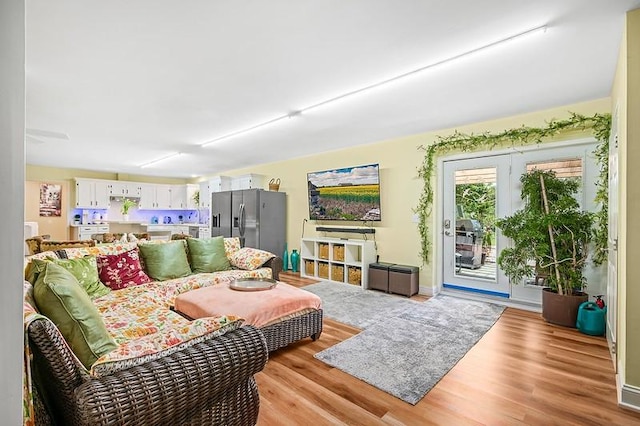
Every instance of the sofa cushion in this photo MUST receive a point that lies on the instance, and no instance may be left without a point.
(158, 345)
(49, 245)
(165, 261)
(231, 245)
(85, 269)
(32, 268)
(207, 255)
(59, 296)
(99, 250)
(122, 270)
(248, 258)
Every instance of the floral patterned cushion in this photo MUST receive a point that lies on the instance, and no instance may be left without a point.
(157, 345)
(99, 250)
(134, 312)
(231, 245)
(122, 270)
(248, 258)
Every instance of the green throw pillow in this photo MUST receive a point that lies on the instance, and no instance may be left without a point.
(34, 268)
(208, 255)
(85, 269)
(165, 261)
(60, 297)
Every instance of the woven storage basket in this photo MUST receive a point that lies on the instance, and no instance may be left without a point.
(338, 252)
(274, 184)
(337, 273)
(354, 275)
(323, 270)
(323, 251)
(309, 268)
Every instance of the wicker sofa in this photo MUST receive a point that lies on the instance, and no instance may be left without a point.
(43, 243)
(210, 382)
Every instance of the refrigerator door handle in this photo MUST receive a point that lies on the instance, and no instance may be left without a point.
(241, 226)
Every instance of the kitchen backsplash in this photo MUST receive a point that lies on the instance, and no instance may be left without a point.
(135, 215)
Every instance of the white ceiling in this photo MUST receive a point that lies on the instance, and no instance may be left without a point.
(133, 81)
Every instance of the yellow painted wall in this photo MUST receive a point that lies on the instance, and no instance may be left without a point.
(631, 192)
(397, 235)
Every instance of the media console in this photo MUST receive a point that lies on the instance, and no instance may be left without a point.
(335, 259)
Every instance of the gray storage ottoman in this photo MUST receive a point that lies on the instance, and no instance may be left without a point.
(379, 276)
(403, 279)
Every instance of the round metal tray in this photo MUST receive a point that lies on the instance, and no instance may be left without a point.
(252, 284)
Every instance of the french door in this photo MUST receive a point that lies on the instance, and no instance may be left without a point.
(478, 191)
(475, 194)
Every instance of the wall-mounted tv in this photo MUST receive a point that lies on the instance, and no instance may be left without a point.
(350, 193)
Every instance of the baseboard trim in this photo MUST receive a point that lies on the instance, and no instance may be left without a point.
(509, 303)
(630, 397)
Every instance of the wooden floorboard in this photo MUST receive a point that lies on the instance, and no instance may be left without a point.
(522, 372)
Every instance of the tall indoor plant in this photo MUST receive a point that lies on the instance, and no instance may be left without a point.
(551, 236)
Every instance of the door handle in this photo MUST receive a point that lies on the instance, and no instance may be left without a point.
(448, 233)
(242, 219)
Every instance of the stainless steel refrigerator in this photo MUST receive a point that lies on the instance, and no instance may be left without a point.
(257, 216)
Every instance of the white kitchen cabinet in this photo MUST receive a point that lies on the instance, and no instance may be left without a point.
(191, 192)
(250, 181)
(214, 184)
(205, 195)
(124, 189)
(84, 232)
(155, 197)
(204, 232)
(163, 197)
(219, 184)
(92, 194)
(178, 197)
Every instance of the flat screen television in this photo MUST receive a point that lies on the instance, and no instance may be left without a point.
(350, 193)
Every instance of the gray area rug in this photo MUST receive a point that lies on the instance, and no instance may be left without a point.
(406, 347)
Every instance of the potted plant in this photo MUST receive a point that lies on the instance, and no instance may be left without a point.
(126, 205)
(551, 236)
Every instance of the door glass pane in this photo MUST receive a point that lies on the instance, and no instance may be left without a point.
(475, 197)
(565, 169)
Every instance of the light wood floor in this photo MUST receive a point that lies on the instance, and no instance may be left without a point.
(522, 372)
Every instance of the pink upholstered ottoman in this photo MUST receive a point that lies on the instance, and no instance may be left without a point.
(258, 308)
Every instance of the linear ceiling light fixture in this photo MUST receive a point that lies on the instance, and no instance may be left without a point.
(158, 160)
(532, 31)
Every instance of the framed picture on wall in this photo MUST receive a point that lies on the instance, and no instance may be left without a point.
(50, 199)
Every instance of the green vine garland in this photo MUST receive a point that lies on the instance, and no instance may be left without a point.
(599, 124)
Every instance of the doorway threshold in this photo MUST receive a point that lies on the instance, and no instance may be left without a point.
(509, 303)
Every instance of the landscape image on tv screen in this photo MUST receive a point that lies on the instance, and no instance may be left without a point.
(350, 193)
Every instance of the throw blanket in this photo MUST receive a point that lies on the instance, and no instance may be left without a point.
(258, 308)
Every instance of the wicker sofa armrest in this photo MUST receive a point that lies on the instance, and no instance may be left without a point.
(275, 264)
(209, 383)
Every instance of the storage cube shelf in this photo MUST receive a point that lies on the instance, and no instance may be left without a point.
(334, 259)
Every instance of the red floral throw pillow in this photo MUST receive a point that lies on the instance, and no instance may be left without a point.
(122, 270)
